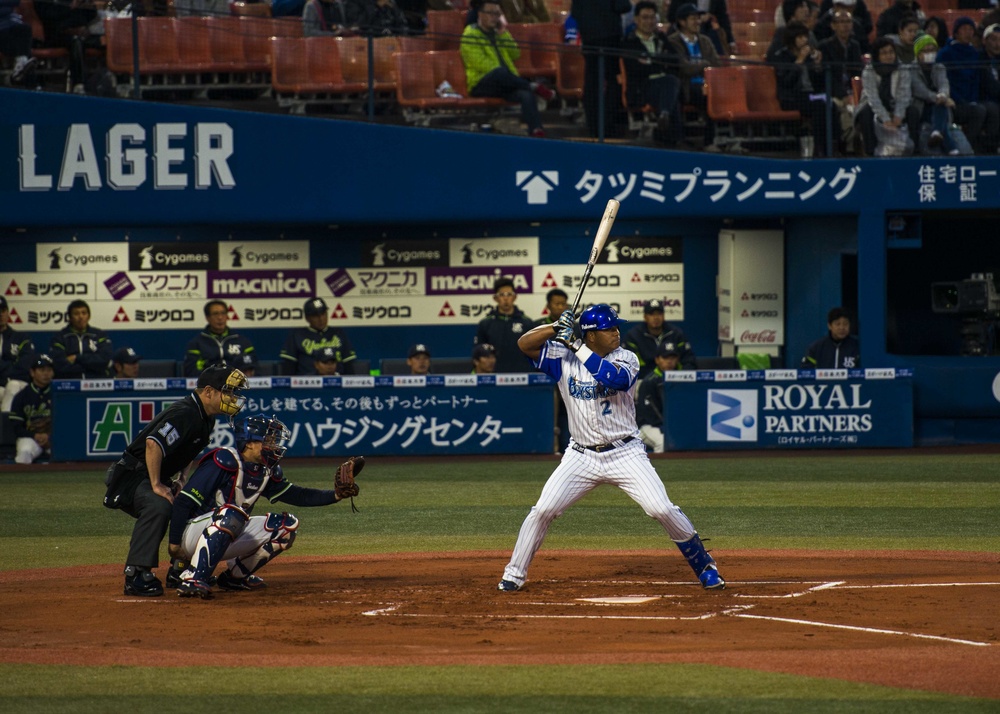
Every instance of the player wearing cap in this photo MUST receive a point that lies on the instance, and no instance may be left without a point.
(649, 405)
(419, 359)
(503, 327)
(126, 363)
(325, 362)
(141, 482)
(298, 354)
(31, 413)
(217, 344)
(211, 520)
(484, 359)
(597, 379)
(17, 352)
(80, 350)
(645, 339)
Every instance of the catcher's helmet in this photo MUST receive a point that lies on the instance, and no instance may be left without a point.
(599, 317)
(268, 430)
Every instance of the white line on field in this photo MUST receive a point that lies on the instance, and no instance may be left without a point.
(821, 586)
(705, 616)
(913, 585)
(863, 629)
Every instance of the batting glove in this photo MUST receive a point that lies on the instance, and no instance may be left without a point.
(565, 321)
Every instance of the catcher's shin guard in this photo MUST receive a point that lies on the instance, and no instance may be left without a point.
(227, 524)
(701, 563)
(281, 529)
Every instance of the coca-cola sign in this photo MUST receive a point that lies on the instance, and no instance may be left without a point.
(758, 338)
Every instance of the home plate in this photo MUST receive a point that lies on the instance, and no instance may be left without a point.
(627, 600)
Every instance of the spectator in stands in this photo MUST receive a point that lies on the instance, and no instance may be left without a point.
(381, 18)
(31, 413)
(484, 359)
(287, 8)
(302, 342)
(715, 23)
(329, 17)
(217, 344)
(860, 13)
(932, 96)
(489, 55)
(798, 69)
(838, 349)
(415, 12)
(651, 66)
(888, 21)
(65, 24)
(326, 362)
(792, 11)
(419, 359)
(980, 121)
(909, 28)
(556, 300)
(886, 97)
(126, 363)
(79, 350)
(825, 29)
(645, 339)
(15, 41)
(503, 327)
(938, 29)
(842, 54)
(696, 52)
(16, 354)
(649, 401)
(989, 75)
(599, 25)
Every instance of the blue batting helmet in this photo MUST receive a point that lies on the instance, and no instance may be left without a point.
(268, 430)
(599, 317)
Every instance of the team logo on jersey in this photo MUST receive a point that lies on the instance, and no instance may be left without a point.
(589, 390)
(732, 415)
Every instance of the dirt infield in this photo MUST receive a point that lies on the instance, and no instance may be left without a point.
(907, 619)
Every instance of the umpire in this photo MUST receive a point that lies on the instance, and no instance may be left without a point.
(139, 483)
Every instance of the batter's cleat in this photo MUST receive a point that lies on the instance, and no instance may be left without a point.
(508, 586)
(711, 580)
(141, 582)
(227, 581)
(195, 588)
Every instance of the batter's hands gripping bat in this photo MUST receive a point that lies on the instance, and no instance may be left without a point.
(608, 220)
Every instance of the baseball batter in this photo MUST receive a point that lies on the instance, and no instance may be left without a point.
(597, 381)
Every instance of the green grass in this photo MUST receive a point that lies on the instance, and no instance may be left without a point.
(55, 519)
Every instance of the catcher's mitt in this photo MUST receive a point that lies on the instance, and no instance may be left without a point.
(343, 483)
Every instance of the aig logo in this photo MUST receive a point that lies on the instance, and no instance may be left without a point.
(732, 415)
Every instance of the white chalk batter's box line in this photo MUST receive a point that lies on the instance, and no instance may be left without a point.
(393, 609)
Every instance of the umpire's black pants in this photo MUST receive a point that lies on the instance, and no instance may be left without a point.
(152, 514)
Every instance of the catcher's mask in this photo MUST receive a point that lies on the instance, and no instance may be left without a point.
(268, 430)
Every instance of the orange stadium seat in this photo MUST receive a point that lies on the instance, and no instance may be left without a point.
(445, 27)
(569, 73)
(539, 44)
(353, 53)
(762, 94)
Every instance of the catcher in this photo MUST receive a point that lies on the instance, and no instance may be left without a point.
(211, 519)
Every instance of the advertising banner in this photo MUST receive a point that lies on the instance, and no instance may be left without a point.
(789, 409)
(328, 416)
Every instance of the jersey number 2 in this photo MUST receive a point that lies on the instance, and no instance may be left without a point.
(607, 407)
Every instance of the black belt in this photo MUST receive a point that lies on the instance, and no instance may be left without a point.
(603, 447)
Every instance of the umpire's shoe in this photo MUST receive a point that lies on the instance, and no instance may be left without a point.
(228, 581)
(141, 582)
(508, 586)
(195, 588)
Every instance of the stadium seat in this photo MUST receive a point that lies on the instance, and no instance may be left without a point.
(158, 46)
(354, 61)
(569, 74)
(762, 94)
(445, 27)
(539, 44)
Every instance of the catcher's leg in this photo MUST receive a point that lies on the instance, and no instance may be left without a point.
(227, 524)
(279, 531)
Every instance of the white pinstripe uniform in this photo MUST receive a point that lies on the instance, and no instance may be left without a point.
(601, 417)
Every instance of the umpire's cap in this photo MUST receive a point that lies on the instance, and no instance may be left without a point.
(315, 306)
(599, 317)
(215, 376)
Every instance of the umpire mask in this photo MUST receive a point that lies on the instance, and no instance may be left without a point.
(232, 400)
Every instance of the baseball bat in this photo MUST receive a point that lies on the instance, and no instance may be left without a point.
(608, 220)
